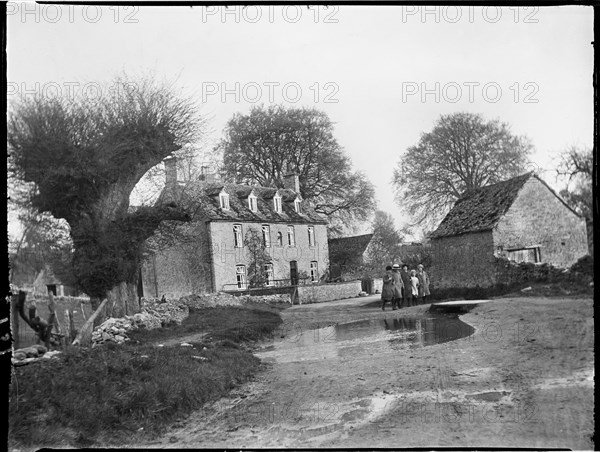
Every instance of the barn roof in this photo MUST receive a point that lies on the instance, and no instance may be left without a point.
(355, 245)
(480, 209)
(202, 199)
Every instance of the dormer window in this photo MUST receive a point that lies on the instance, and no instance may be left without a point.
(277, 202)
(252, 202)
(224, 200)
(297, 205)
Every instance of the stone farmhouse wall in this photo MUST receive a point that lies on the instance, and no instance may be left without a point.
(226, 257)
(328, 292)
(539, 218)
(465, 260)
(201, 257)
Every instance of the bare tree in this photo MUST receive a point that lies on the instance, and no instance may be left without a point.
(462, 152)
(264, 145)
(385, 246)
(576, 165)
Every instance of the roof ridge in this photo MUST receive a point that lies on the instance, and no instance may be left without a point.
(480, 209)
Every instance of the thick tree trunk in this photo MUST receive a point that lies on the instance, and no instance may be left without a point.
(122, 300)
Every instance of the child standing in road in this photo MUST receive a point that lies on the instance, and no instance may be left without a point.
(414, 281)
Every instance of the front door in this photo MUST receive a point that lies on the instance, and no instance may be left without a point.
(294, 273)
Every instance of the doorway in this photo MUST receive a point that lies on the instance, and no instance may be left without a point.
(294, 273)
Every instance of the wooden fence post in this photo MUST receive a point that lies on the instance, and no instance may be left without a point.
(14, 311)
(52, 309)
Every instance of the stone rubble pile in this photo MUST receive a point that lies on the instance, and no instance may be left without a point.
(210, 300)
(32, 353)
(224, 299)
(154, 315)
(113, 330)
(275, 298)
(169, 312)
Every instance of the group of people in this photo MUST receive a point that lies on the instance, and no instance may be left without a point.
(403, 288)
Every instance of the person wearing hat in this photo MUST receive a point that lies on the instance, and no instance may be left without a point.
(406, 283)
(387, 291)
(423, 283)
(398, 286)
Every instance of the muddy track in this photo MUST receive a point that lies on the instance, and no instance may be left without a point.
(524, 378)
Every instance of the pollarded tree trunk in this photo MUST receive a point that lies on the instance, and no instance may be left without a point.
(109, 244)
(122, 300)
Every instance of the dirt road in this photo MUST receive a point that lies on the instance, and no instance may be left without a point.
(523, 378)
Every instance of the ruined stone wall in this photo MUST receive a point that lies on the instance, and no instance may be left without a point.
(318, 293)
(226, 257)
(465, 260)
(539, 218)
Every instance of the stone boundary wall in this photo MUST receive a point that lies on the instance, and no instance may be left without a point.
(318, 293)
(260, 292)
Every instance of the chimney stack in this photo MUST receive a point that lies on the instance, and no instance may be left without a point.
(170, 171)
(208, 174)
(291, 181)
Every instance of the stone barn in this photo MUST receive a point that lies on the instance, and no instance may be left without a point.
(347, 251)
(521, 219)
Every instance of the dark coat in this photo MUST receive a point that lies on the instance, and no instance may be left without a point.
(388, 289)
(423, 284)
(397, 284)
(406, 281)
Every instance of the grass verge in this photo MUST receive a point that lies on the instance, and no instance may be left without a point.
(113, 394)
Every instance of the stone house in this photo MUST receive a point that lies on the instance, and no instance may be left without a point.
(521, 219)
(208, 254)
(46, 282)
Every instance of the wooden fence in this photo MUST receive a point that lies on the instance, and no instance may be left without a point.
(24, 336)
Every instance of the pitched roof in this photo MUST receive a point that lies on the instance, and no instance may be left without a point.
(480, 209)
(355, 245)
(202, 200)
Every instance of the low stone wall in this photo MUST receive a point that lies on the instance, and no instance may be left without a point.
(261, 291)
(318, 293)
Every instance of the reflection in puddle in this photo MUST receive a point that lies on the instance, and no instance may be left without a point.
(364, 336)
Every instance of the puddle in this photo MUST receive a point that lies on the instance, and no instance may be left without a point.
(364, 336)
(491, 396)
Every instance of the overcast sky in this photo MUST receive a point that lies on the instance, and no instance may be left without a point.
(384, 75)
